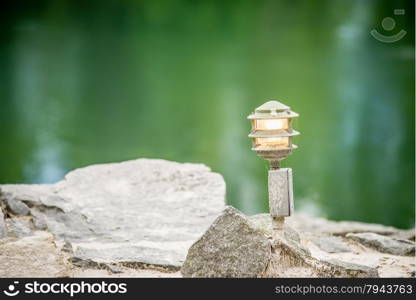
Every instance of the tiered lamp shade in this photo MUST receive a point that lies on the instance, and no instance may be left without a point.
(272, 131)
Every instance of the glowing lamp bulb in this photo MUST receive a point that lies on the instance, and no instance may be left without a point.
(269, 143)
(272, 124)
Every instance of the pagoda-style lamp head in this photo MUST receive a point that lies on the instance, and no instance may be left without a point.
(272, 134)
(272, 131)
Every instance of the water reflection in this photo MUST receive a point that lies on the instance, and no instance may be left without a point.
(113, 81)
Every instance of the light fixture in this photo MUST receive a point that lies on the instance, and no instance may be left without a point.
(271, 133)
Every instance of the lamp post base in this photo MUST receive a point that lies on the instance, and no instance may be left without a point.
(280, 194)
(278, 223)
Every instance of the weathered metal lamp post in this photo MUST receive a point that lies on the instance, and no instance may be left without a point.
(272, 134)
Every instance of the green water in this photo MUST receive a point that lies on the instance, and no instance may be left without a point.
(84, 82)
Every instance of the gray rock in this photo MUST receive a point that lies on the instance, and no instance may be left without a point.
(304, 222)
(3, 230)
(331, 244)
(338, 268)
(71, 226)
(15, 206)
(19, 227)
(114, 269)
(169, 255)
(145, 211)
(38, 219)
(231, 247)
(34, 256)
(383, 243)
(289, 259)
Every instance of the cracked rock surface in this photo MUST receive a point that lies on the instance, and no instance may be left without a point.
(234, 241)
(139, 218)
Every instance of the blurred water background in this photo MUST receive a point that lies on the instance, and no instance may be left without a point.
(85, 82)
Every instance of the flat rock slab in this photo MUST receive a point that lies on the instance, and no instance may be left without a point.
(33, 256)
(384, 244)
(146, 211)
(331, 244)
(307, 223)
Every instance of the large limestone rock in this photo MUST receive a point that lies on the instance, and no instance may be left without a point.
(33, 256)
(145, 211)
(231, 247)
